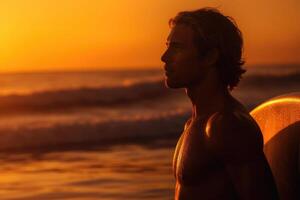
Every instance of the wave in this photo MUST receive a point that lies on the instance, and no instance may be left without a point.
(61, 100)
(82, 97)
(105, 133)
(100, 134)
(257, 88)
(258, 80)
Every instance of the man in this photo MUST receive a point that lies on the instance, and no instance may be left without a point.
(220, 152)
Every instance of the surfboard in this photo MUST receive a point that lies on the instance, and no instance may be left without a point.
(279, 121)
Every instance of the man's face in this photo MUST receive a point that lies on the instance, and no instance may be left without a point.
(183, 66)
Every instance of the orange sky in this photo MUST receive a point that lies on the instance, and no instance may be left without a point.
(38, 35)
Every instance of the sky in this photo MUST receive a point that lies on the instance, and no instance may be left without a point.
(63, 35)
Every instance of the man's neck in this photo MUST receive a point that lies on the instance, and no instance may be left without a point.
(206, 99)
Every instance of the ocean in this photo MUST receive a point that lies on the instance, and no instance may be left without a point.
(106, 134)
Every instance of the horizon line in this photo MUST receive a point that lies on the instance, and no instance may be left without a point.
(133, 68)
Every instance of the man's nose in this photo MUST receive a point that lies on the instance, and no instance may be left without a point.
(164, 57)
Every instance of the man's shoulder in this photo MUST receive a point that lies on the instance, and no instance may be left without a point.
(235, 134)
(232, 122)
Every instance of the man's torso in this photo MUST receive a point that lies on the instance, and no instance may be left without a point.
(199, 174)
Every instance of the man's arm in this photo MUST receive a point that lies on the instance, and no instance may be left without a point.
(252, 179)
(237, 141)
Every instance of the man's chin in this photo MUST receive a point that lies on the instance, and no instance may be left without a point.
(172, 84)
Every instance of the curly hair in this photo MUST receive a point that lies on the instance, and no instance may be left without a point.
(213, 30)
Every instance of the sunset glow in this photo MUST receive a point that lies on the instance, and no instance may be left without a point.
(85, 35)
(276, 114)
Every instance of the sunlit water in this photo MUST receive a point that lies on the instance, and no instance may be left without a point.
(120, 172)
(49, 121)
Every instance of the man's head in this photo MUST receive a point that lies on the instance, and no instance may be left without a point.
(202, 42)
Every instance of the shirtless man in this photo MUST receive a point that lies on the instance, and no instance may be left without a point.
(220, 152)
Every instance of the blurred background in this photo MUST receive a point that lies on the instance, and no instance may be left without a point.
(84, 113)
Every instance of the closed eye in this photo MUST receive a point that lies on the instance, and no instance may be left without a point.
(174, 45)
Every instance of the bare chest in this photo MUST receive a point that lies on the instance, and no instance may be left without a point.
(193, 159)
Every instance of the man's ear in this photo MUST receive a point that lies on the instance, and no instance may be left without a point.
(211, 57)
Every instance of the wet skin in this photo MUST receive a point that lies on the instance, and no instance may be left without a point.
(220, 152)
